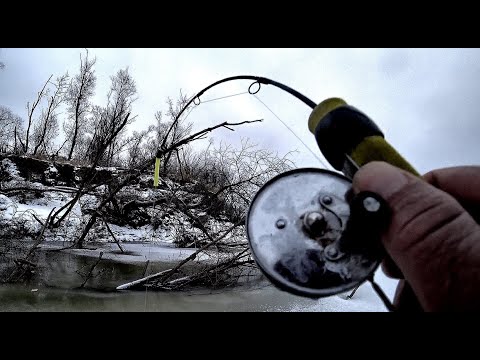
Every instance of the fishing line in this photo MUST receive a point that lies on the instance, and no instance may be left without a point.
(223, 97)
(251, 92)
(289, 129)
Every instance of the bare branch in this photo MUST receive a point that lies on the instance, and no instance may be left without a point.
(89, 275)
(203, 248)
(142, 280)
(30, 113)
(111, 233)
(203, 132)
(39, 238)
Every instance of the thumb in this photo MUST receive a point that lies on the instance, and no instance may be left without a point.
(431, 238)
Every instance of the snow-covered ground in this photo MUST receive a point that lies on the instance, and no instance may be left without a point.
(364, 300)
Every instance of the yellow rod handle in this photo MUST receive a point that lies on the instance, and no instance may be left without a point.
(376, 148)
(342, 129)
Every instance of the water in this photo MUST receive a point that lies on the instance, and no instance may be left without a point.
(22, 298)
(268, 298)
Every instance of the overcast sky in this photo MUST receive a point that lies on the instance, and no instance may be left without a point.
(424, 100)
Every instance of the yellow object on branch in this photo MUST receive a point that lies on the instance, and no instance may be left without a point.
(157, 171)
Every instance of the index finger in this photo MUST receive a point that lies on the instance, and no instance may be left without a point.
(462, 182)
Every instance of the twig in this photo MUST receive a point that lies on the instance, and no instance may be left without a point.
(146, 267)
(203, 132)
(39, 238)
(111, 233)
(89, 275)
(225, 265)
(38, 220)
(23, 189)
(26, 262)
(206, 246)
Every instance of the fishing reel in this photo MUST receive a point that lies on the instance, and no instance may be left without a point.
(311, 236)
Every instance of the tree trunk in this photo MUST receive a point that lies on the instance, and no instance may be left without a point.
(30, 114)
(77, 117)
(44, 132)
(79, 243)
(74, 141)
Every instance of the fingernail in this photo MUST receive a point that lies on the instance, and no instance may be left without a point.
(381, 178)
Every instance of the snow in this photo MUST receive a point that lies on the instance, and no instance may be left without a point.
(7, 208)
(12, 209)
(11, 168)
(39, 210)
(364, 300)
(52, 169)
(89, 201)
(112, 169)
(134, 253)
(43, 206)
(126, 233)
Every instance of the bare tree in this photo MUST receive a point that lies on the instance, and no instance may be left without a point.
(10, 125)
(30, 110)
(142, 144)
(137, 148)
(170, 129)
(108, 124)
(79, 92)
(46, 129)
(112, 119)
(179, 129)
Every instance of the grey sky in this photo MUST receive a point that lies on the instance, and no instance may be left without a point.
(425, 100)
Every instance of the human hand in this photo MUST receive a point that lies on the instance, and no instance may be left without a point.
(433, 241)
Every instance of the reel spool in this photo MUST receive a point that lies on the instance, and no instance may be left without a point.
(310, 236)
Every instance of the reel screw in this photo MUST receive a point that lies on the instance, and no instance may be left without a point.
(280, 224)
(327, 200)
(370, 204)
(314, 222)
(331, 252)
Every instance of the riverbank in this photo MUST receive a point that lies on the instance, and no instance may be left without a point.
(142, 231)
